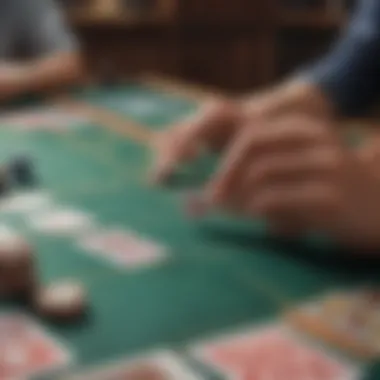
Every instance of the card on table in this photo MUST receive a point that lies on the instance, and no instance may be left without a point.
(161, 366)
(25, 202)
(123, 248)
(272, 353)
(27, 350)
(47, 118)
(349, 320)
(61, 221)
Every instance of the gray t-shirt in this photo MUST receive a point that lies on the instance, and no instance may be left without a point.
(32, 28)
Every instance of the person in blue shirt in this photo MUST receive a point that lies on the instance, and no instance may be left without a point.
(282, 157)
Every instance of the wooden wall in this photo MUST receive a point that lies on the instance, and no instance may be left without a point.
(236, 45)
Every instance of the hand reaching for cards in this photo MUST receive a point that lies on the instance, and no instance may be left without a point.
(211, 128)
(217, 123)
(298, 174)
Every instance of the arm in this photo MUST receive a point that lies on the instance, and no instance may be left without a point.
(52, 54)
(38, 75)
(346, 80)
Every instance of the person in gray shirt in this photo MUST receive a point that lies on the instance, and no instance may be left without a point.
(282, 159)
(38, 52)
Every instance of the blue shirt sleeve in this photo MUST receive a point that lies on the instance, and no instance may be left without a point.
(350, 74)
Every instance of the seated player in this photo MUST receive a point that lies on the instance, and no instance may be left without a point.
(281, 156)
(37, 50)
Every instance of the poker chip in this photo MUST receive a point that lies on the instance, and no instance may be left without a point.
(17, 276)
(22, 171)
(4, 180)
(14, 250)
(62, 300)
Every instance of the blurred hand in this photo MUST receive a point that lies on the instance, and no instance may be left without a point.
(210, 128)
(218, 122)
(298, 174)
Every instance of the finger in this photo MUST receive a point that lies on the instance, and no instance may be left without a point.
(165, 150)
(302, 165)
(227, 178)
(285, 137)
(183, 144)
(256, 142)
(313, 204)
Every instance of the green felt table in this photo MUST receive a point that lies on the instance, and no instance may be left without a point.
(221, 273)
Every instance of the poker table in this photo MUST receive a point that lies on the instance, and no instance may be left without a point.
(220, 273)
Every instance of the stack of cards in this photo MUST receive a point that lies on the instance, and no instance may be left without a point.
(46, 118)
(349, 320)
(271, 353)
(28, 350)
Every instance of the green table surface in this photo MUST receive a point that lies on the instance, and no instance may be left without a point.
(221, 273)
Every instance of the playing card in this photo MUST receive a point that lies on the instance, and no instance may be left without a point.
(61, 221)
(25, 202)
(348, 319)
(125, 249)
(272, 353)
(42, 118)
(162, 366)
(26, 349)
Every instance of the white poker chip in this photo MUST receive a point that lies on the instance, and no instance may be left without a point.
(14, 249)
(66, 299)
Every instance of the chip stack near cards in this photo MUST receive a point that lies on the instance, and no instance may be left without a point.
(4, 180)
(17, 272)
(65, 300)
(21, 170)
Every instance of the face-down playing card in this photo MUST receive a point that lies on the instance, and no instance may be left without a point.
(125, 249)
(271, 353)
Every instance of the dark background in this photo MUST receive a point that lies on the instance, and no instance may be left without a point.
(236, 45)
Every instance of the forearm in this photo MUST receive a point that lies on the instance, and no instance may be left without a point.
(43, 74)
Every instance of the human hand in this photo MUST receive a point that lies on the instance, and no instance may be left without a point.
(297, 173)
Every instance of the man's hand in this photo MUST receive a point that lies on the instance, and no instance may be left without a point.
(211, 128)
(217, 123)
(297, 173)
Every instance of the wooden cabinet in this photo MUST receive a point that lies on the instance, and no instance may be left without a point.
(120, 52)
(237, 45)
(234, 61)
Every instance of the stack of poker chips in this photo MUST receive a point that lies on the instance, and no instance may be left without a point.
(17, 272)
(61, 301)
(20, 172)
